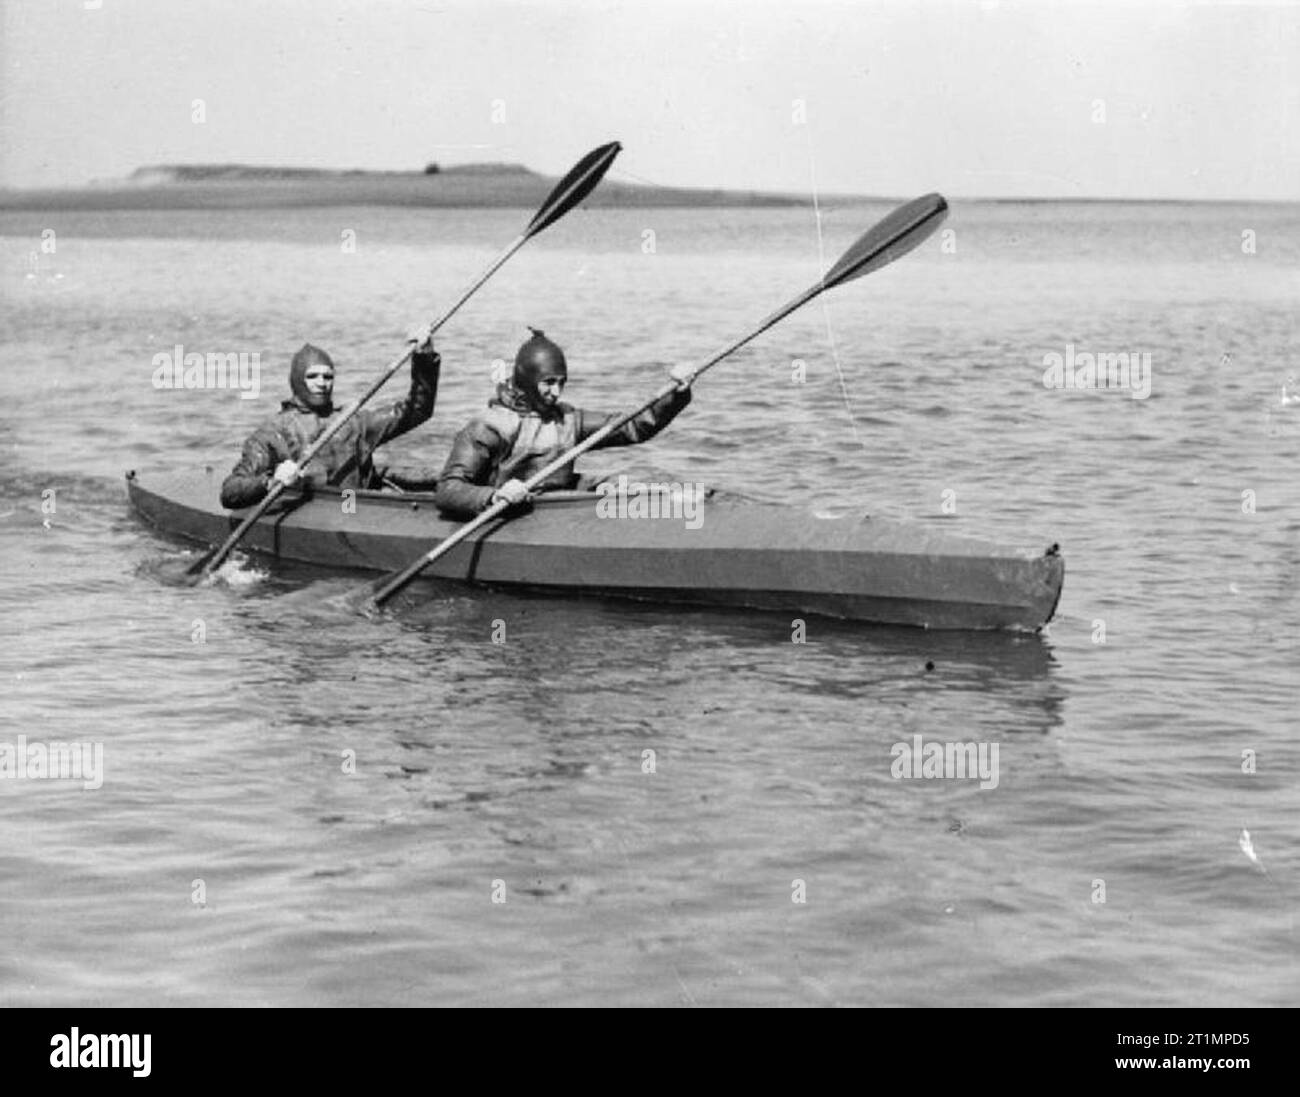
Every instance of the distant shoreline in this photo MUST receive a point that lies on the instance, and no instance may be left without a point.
(467, 186)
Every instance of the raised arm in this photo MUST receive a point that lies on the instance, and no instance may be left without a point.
(384, 424)
(640, 429)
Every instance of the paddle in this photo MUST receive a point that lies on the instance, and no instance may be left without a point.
(889, 239)
(567, 193)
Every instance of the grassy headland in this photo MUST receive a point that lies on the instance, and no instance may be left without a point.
(242, 186)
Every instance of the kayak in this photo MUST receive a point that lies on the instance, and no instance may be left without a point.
(729, 554)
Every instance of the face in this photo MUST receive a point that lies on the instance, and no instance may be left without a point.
(549, 390)
(319, 380)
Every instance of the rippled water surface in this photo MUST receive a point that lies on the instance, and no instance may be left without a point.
(518, 769)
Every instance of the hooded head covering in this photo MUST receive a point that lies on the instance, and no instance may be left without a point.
(537, 358)
(306, 358)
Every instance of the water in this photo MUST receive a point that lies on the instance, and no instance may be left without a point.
(1120, 762)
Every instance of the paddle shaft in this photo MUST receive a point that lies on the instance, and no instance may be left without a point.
(277, 488)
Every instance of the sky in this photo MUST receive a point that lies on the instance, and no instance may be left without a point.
(976, 98)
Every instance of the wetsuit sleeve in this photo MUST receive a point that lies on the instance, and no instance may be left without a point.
(639, 429)
(382, 425)
(247, 483)
(465, 487)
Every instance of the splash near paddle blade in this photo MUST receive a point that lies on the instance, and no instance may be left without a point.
(890, 238)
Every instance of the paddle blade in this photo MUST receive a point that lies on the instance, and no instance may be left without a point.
(889, 239)
(574, 187)
(198, 569)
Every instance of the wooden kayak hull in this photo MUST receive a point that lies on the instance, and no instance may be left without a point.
(742, 554)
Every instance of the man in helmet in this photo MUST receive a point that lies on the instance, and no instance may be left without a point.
(526, 427)
(273, 450)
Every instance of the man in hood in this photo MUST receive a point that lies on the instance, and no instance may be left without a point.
(526, 427)
(272, 451)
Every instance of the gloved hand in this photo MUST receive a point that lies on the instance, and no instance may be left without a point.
(512, 492)
(683, 373)
(425, 361)
(286, 473)
(422, 336)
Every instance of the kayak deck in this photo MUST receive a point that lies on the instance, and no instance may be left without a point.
(741, 554)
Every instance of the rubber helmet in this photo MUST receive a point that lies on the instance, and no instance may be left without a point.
(538, 358)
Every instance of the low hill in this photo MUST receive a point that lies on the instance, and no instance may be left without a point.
(247, 186)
